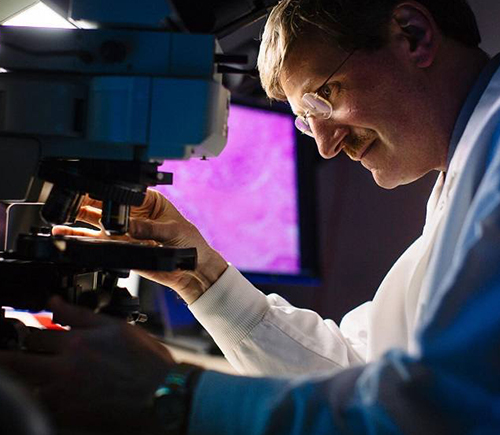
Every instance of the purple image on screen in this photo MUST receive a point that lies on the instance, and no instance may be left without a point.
(245, 201)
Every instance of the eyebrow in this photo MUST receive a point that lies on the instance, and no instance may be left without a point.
(308, 86)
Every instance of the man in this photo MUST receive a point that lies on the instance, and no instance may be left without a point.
(402, 87)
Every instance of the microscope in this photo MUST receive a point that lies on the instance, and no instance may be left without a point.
(94, 111)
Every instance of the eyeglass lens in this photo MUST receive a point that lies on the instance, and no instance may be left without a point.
(316, 107)
(303, 126)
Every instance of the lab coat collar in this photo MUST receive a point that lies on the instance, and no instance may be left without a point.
(471, 102)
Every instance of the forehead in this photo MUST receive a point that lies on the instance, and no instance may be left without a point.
(308, 64)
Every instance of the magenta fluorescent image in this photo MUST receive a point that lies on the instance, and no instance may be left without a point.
(245, 201)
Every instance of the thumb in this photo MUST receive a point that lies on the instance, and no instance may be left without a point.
(74, 316)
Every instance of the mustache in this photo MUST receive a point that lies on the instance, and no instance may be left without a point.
(353, 144)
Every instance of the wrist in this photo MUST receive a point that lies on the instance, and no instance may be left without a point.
(210, 271)
(205, 275)
(171, 403)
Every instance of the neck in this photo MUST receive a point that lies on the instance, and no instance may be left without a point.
(458, 71)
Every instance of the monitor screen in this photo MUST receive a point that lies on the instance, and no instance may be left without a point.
(245, 202)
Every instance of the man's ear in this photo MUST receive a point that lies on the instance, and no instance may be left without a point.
(415, 27)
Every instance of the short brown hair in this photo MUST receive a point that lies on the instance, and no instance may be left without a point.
(351, 24)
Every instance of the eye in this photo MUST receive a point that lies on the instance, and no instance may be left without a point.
(325, 92)
(329, 90)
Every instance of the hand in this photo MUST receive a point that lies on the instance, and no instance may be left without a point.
(100, 374)
(158, 221)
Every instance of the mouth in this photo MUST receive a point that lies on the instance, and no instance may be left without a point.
(367, 150)
(358, 150)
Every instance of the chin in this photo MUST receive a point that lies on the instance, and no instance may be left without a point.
(387, 181)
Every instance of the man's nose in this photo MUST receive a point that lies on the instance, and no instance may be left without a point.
(328, 136)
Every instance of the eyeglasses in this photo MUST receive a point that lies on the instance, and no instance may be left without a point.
(316, 106)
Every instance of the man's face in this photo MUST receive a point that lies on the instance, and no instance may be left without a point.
(381, 113)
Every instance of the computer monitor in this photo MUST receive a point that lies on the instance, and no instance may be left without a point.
(249, 203)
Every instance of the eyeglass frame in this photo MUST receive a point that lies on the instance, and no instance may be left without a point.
(303, 118)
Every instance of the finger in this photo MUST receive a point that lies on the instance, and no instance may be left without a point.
(47, 341)
(72, 315)
(155, 206)
(152, 206)
(88, 201)
(60, 230)
(90, 215)
(164, 232)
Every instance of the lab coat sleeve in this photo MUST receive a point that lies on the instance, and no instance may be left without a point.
(265, 335)
(451, 385)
